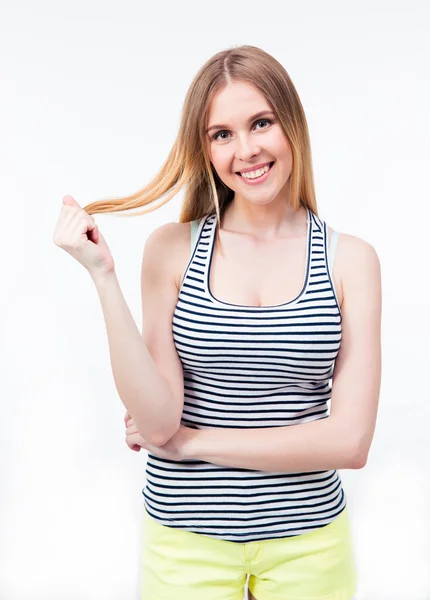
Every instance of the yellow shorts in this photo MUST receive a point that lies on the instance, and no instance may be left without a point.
(183, 565)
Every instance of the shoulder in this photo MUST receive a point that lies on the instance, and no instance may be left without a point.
(355, 251)
(168, 235)
(358, 264)
(352, 250)
(168, 246)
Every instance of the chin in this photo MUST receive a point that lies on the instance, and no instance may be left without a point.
(259, 201)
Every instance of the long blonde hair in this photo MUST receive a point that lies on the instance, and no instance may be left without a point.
(188, 164)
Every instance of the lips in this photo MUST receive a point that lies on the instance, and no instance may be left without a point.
(260, 166)
(256, 181)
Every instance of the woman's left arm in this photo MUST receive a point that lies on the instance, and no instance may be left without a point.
(342, 440)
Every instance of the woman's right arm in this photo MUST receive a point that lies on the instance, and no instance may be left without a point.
(146, 367)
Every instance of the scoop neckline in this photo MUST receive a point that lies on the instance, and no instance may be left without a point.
(250, 306)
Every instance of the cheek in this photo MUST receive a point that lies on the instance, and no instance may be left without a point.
(221, 162)
(218, 157)
(284, 149)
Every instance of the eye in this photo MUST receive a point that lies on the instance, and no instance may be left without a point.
(263, 121)
(215, 137)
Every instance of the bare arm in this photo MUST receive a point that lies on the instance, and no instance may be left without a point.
(146, 369)
(341, 441)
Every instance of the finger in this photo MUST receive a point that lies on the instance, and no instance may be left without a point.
(70, 218)
(70, 201)
(135, 440)
(80, 216)
(129, 422)
(93, 233)
(131, 430)
(132, 446)
(81, 224)
(67, 216)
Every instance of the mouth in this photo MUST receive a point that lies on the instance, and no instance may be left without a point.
(259, 179)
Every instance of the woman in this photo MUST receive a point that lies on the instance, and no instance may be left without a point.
(249, 328)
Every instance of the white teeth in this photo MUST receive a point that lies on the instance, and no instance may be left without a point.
(255, 174)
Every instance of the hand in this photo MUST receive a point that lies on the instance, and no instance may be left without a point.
(77, 233)
(173, 449)
(133, 440)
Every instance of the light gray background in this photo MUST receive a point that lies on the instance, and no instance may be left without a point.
(91, 94)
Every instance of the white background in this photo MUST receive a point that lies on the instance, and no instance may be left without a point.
(91, 94)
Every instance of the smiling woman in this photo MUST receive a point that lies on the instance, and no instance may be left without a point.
(255, 151)
(256, 315)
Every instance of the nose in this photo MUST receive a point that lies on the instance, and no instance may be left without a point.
(246, 148)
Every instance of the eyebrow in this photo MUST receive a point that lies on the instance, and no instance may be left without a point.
(259, 114)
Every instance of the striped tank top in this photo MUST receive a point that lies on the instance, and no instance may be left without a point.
(251, 367)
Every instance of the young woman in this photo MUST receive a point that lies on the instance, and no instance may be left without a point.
(250, 327)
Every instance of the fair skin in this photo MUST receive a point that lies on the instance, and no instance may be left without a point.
(263, 236)
(357, 282)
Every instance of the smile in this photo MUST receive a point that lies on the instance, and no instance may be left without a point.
(258, 176)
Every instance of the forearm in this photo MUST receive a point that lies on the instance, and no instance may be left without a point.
(143, 391)
(314, 446)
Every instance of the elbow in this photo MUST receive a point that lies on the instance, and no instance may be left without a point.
(160, 440)
(358, 462)
(164, 436)
(352, 450)
(358, 456)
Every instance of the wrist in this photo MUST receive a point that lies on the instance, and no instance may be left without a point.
(101, 278)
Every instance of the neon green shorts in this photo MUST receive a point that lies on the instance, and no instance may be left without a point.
(183, 565)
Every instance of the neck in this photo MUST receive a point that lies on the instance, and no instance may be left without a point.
(264, 221)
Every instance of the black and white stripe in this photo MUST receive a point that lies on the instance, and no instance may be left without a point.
(251, 367)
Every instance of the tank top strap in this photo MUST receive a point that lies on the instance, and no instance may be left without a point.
(329, 248)
(194, 228)
(332, 248)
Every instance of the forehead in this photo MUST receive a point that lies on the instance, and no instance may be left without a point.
(235, 102)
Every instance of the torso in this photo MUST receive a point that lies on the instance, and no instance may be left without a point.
(251, 275)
